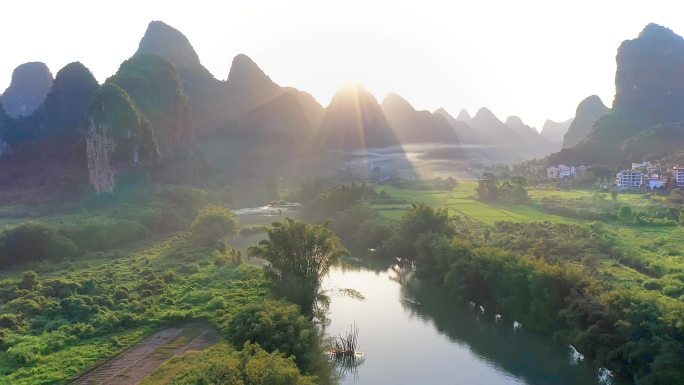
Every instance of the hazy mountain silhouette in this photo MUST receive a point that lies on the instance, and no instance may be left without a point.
(411, 126)
(467, 135)
(531, 142)
(521, 129)
(353, 121)
(280, 120)
(588, 112)
(313, 110)
(464, 116)
(555, 131)
(493, 130)
(29, 86)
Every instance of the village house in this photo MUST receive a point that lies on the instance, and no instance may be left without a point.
(561, 171)
(678, 174)
(629, 179)
(642, 175)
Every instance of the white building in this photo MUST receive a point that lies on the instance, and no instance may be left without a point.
(678, 173)
(581, 170)
(628, 179)
(559, 172)
(654, 183)
(648, 166)
(636, 166)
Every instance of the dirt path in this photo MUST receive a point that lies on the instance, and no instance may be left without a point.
(139, 361)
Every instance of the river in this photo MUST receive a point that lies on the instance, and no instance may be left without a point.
(411, 333)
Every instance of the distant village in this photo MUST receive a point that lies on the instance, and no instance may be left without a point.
(641, 176)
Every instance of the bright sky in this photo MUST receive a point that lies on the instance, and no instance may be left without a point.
(535, 59)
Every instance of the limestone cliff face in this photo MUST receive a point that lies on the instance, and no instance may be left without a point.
(28, 89)
(117, 136)
(4, 123)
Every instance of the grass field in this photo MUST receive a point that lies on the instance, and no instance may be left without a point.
(461, 201)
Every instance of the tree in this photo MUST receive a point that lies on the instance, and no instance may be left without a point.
(299, 255)
(625, 214)
(487, 189)
(29, 281)
(213, 224)
(613, 195)
(676, 197)
(419, 219)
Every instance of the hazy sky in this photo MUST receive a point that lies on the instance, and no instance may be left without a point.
(534, 59)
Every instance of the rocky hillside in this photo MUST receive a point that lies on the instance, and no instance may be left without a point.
(117, 135)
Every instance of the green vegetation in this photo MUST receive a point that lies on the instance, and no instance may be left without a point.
(79, 288)
(155, 86)
(490, 190)
(33, 241)
(276, 326)
(299, 256)
(102, 225)
(74, 315)
(213, 224)
(225, 365)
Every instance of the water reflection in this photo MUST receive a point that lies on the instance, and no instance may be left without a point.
(414, 333)
(538, 360)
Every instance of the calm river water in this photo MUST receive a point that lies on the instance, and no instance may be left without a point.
(413, 334)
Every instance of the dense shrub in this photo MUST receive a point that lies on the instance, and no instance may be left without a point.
(251, 366)
(417, 220)
(334, 199)
(252, 230)
(361, 227)
(213, 224)
(276, 326)
(32, 241)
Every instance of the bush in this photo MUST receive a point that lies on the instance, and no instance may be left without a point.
(213, 224)
(252, 230)
(32, 241)
(253, 366)
(274, 326)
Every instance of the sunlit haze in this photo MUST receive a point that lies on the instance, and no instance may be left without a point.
(534, 59)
